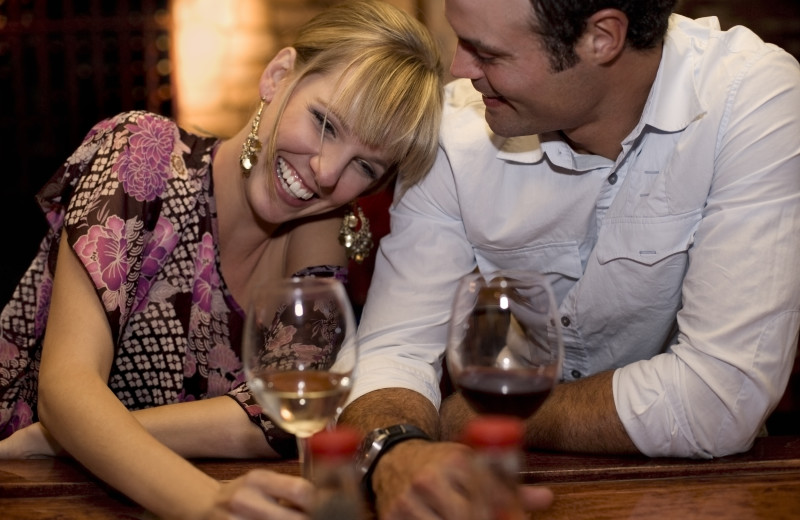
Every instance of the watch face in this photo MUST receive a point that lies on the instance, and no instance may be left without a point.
(370, 447)
(382, 439)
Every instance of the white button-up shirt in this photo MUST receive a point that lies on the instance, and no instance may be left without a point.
(675, 265)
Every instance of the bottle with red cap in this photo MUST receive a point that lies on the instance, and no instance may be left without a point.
(497, 441)
(334, 474)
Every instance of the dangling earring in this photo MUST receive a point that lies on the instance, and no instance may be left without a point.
(251, 146)
(357, 240)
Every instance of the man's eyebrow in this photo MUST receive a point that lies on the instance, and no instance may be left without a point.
(481, 46)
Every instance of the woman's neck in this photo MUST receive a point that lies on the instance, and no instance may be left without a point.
(245, 242)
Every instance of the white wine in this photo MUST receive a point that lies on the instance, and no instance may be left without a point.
(301, 402)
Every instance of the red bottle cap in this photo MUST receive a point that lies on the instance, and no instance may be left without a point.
(340, 442)
(494, 432)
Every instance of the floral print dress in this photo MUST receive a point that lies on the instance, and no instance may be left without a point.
(135, 202)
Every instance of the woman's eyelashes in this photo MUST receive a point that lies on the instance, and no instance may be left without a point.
(368, 170)
(323, 122)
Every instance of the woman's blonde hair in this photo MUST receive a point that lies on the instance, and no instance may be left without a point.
(390, 93)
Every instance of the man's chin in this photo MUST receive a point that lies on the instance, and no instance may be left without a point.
(501, 125)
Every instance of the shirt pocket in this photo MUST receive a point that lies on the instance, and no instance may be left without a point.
(646, 240)
(561, 258)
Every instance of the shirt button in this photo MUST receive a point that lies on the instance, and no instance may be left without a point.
(565, 321)
(576, 374)
(612, 179)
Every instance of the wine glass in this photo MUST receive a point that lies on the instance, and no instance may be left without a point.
(504, 349)
(293, 330)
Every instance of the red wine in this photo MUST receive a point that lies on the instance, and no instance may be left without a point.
(516, 392)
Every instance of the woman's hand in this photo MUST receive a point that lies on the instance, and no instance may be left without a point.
(31, 442)
(263, 494)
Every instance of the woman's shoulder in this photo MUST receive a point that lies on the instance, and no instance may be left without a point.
(138, 121)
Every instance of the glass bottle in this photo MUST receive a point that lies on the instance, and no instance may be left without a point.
(339, 494)
(497, 441)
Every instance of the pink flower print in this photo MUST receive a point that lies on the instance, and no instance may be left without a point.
(144, 166)
(55, 219)
(217, 384)
(241, 377)
(102, 250)
(142, 294)
(8, 351)
(158, 247)
(282, 336)
(222, 358)
(100, 128)
(206, 281)
(42, 305)
(307, 354)
(189, 364)
(252, 409)
(20, 417)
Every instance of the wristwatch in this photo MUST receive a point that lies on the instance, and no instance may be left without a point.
(376, 444)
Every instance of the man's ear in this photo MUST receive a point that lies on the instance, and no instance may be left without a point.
(605, 36)
(277, 69)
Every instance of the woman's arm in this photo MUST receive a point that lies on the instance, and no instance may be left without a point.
(87, 419)
(210, 428)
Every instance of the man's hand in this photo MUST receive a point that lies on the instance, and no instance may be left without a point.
(31, 442)
(420, 479)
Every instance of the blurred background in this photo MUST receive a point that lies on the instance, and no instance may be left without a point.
(67, 64)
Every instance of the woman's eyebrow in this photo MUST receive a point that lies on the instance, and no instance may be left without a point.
(331, 113)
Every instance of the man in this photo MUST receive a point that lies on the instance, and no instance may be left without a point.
(649, 166)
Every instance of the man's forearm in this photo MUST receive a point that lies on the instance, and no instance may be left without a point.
(579, 416)
(391, 406)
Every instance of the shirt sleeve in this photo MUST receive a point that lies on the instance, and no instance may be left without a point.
(114, 185)
(711, 393)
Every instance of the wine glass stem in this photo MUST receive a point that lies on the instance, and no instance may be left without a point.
(304, 456)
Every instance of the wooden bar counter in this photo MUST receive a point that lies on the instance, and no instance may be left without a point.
(762, 483)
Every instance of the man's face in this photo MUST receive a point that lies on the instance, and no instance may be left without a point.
(508, 64)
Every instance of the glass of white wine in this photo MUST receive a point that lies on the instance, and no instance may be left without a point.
(294, 329)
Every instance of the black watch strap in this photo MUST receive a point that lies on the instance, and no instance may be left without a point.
(377, 443)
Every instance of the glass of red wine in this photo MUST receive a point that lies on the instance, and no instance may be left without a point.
(505, 348)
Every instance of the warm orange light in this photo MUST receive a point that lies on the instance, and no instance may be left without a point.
(219, 48)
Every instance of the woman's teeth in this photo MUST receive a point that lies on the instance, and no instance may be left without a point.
(291, 182)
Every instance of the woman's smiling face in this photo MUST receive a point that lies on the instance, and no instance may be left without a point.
(319, 164)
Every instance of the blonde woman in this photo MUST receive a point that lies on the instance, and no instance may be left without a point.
(123, 337)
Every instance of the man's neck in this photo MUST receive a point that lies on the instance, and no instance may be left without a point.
(628, 85)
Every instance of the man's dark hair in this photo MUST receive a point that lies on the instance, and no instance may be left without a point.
(561, 23)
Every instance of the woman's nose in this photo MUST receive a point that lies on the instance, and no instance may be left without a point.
(327, 167)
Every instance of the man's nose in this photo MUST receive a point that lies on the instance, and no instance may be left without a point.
(463, 64)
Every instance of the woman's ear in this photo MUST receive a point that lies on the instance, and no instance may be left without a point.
(605, 36)
(277, 69)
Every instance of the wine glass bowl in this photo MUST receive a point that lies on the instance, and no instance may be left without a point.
(504, 349)
(294, 329)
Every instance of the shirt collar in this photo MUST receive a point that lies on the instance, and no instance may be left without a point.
(674, 102)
